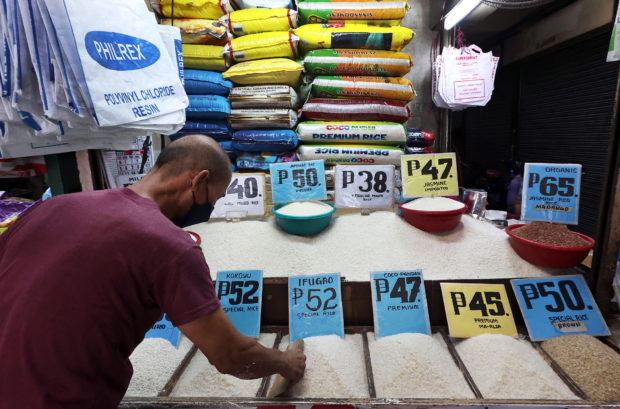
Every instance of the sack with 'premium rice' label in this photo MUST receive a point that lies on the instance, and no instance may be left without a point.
(399, 89)
(260, 46)
(200, 30)
(357, 62)
(265, 140)
(386, 12)
(322, 109)
(204, 57)
(355, 132)
(270, 71)
(253, 21)
(209, 9)
(351, 154)
(263, 96)
(263, 118)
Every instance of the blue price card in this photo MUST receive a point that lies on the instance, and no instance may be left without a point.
(241, 294)
(551, 192)
(315, 306)
(164, 329)
(558, 306)
(399, 303)
(294, 181)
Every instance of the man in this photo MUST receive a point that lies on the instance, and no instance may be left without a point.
(83, 277)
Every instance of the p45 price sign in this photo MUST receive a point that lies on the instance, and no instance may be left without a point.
(474, 309)
(240, 293)
(245, 196)
(365, 186)
(558, 306)
(551, 192)
(399, 303)
(315, 306)
(429, 175)
(292, 181)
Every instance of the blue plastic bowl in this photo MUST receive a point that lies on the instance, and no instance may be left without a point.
(303, 225)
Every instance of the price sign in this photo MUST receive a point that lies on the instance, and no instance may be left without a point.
(558, 306)
(293, 181)
(240, 293)
(365, 186)
(474, 309)
(551, 192)
(399, 303)
(245, 197)
(315, 306)
(429, 175)
(165, 330)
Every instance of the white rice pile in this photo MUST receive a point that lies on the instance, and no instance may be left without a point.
(354, 245)
(154, 362)
(506, 368)
(415, 366)
(201, 379)
(434, 204)
(335, 368)
(304, 209)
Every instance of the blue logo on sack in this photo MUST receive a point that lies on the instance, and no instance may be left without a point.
(120, 52)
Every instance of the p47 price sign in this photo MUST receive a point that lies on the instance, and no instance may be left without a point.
(558, 306)
(365, 187)
(474, 309)
(315, 306)
(399, 303)
(245, 196)
(240, 293)
(551, 192)
(294, 181)
(429, 175)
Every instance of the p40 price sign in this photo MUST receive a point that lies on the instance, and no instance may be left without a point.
(551, 192)
(365, 186)
(294, 181)
(558, 306)
(429, 175)
(315, 306)
(245, 196)
(474, 309)
(399, 303)
(240, 293)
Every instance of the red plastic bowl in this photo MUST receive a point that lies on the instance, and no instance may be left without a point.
(547, 255)
(433, 221)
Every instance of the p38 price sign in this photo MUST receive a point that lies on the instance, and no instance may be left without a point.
(315, 306)
(245, 196)
(293, 181)
(240, 293)
(429, 175)
(551, 192)
(558, 306)
(474, 309)
(365, 186)
(399, 303)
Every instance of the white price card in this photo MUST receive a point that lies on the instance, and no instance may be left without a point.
(245, 197)
(365, 186)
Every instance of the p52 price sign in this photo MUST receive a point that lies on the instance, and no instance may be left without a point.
(240, 293)
(399, 303)
(165, 330)
(292, 181)
(558, 306)
(315, 306)
(365, 186)
(475, 309)
(429, 175)
(245, 196)
(551, 192)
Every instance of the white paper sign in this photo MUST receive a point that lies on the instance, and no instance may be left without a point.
(365, 186)
(245, 197)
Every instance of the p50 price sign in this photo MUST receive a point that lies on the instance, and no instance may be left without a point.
(315, 306)
(558, 306)
(240, 293)
(293, 181)
(551, 192)
(429, 175)
(365, 186)
(399, 303)
(245, 196)
(475, 309)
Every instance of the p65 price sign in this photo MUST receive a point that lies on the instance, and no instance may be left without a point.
(240, 293)
(315, 306)
(365, 186)
(475, 309)
(399, 303)
(429, 175)
(293, 181)
(551, 192)
(558, 306)
(245, 196)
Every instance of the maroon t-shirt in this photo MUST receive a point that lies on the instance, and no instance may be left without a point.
(82, 278)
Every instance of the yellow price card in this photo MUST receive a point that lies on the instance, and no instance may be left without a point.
(429, 175)
(474, 309)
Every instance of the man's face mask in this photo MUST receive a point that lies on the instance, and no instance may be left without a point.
(196, 214)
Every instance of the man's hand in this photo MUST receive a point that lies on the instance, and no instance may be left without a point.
(295, 364)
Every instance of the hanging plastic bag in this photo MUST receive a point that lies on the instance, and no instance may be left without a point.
(614, 44)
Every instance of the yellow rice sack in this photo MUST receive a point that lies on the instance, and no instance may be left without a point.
(204, 57)
(200, 30)
(253, 21)
(352, 36)
(260, 46)
(209, 9)
(273, 71)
